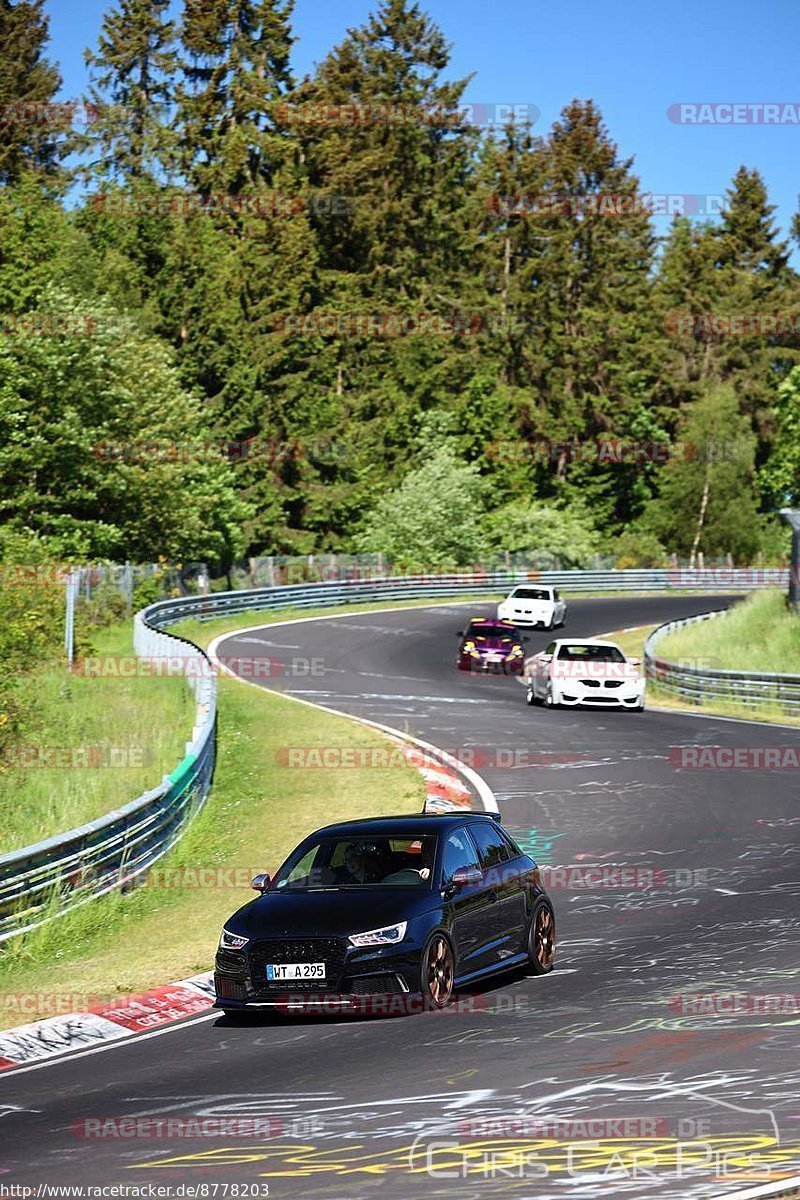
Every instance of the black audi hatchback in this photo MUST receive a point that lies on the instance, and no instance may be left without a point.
(390, 906)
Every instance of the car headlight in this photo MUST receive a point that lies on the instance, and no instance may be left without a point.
(380, 937)
(232, 941)
(516, 652)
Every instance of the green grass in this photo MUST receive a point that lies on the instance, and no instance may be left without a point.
(257, 811)
(737, 641)
(141, 724)
(760, 634)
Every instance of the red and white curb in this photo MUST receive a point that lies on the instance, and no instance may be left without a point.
(110, 1021)
(445, 791)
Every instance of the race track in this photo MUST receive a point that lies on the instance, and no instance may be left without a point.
(433, 1105)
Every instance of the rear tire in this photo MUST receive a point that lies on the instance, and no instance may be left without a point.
(542, 938)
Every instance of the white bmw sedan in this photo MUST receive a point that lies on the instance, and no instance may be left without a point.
(533, 605)
(592, 672)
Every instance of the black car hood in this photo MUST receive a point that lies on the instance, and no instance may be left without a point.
(329, 913)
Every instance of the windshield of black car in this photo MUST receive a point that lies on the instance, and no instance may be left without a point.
(591, 654)
(531, 594)
(501, 632)
(393, 860)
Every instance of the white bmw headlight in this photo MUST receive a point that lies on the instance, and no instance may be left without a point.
(232, 941)
(380, 937)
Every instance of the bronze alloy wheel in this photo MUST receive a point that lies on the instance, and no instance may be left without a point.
(542, 940)
(438, 971)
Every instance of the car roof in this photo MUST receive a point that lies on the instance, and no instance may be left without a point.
(417, 823)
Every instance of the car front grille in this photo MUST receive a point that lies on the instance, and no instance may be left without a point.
(331, 951)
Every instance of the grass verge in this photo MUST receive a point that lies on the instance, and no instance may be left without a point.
(731, 640)
(258, 810)
(138, 726)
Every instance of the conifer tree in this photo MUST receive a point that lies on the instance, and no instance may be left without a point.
(31, 127)
(133, 79)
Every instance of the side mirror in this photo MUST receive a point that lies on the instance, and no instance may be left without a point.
(465, 877)
(635, 662)
(260, 882)
(460, 633)
(526, 638)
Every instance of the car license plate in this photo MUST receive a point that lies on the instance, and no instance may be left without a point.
(278, 971)
(494, 658)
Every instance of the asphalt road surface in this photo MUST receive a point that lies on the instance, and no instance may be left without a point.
(607, 1078)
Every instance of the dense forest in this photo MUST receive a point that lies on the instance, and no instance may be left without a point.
(244, 313)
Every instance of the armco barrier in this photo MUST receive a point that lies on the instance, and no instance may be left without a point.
(58, 874)
(696, 686)
(63, 872)
(471, 583)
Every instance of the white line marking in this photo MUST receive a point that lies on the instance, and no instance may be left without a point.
(481, 786)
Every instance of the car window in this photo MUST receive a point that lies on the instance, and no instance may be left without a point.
(527, 593)
(458, 852)
(580, 652)
(491, 844)
(365, 861)
(556, 594)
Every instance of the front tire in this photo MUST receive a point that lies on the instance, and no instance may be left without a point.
(542, 938)
(549, 702)
(530, 695)
(437, 972)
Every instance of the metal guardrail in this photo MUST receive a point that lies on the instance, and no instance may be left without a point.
(399, 587)
(695, 685)
(54, 876)
(63, 872)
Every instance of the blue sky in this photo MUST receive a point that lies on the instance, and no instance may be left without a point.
(633, 58)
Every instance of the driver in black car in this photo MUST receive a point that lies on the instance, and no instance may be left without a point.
(360, 863)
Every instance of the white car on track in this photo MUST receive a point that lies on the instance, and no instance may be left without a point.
(591, 672)
(531, 604)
